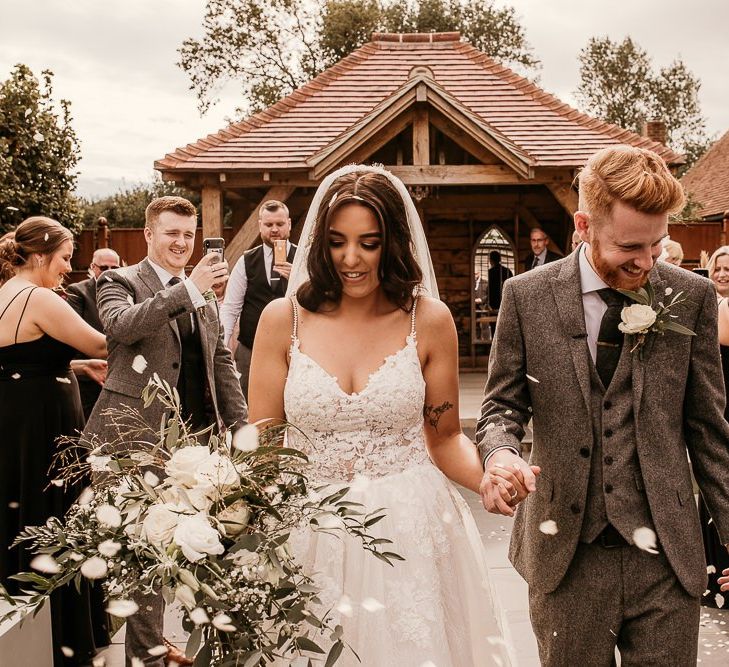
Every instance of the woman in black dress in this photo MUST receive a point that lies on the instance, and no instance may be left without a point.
(39, 401)
(717, 558)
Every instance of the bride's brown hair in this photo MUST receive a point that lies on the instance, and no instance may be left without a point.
(399, 272)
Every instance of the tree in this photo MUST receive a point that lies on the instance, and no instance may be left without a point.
(126, 207)
(39, 151)
(271, 48)
(619, 84)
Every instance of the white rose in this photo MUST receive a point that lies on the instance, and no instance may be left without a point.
(217, 471)
(196, 537)
(235, 518)
(637, 318)
(185, 462)
(199, 498)
(161, 522)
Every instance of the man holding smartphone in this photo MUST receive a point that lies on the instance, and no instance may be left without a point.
(259, 277)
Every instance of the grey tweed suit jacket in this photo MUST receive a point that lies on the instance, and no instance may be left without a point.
(139, 318)
(539, 367)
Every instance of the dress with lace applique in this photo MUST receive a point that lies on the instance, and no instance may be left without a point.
(435, 607)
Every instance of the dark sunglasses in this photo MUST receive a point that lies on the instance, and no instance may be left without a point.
(103, 267)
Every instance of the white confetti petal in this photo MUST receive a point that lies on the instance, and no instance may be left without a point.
(719, 599)
(45, 238)
(645, 539)
(669, 291)
(28, 112)
(68, 652)
(508, 412)
(109, 548)
(15, 376)
(63, 380)
(109, 516)
(549, 527)
(533, 379)
(372, 605)
(99, 661)
(158, 650)
(223, 622)
(87, 495)
(151, 478)
(245, 439)
(38, 137)
(139, 364)
(57, 482)
(13, 504)
(46, 564)
(344, 607)
(710, 569)
(94, 568)
(199, 616)
(122, 608)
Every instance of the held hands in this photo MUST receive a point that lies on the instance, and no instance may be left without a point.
(507, 481)
(94, 369)
(724, 580)
(209, 270)
(283, 269)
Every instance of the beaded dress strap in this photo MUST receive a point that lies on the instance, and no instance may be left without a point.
(295, 331)
(412, 317)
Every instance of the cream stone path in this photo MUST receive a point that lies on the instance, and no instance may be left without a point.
(509, 588)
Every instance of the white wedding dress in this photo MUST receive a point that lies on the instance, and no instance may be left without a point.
(435, 609)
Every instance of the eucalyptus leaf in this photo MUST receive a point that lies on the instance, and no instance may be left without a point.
(678, 328)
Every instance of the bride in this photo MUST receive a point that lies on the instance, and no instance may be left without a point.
(363, 358)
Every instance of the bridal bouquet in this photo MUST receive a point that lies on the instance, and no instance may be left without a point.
(204, 524)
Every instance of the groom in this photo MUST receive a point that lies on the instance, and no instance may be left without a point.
(612, 422)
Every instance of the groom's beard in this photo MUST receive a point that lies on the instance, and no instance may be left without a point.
(613, 275)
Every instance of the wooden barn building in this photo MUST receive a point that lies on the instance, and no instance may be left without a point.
(486, 154)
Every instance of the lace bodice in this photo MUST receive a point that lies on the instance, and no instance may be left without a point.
(375, 432)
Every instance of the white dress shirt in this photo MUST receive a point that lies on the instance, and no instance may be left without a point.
(235, 293)
(592, 303)
(541, 258)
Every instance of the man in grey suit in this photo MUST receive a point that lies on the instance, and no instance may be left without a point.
(157, 320)
(613, 422)
(82, 298)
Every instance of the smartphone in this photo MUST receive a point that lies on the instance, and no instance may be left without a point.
(214, 244)
(279, 251)
(702, 272)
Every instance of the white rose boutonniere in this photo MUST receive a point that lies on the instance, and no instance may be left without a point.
(642, 319)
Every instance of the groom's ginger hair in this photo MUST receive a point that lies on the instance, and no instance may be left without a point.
(178, 205)
(637, 177)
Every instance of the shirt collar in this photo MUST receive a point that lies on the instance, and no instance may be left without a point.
(589, 280)
(543, 255)
(163, 274)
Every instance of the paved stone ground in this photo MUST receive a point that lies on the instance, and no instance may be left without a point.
(510, 589)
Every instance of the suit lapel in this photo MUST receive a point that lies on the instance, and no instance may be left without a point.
(639, 360)
(151, 280)
(567, 293)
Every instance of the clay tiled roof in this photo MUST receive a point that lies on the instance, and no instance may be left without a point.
(708, 179)
(288, 134)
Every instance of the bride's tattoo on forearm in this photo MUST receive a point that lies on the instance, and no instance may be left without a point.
(433, 413)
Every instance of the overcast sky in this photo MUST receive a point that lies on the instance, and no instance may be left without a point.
(115, 61)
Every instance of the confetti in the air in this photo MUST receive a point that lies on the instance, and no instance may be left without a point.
(46, 564)
(122, 608)
(57, 482)
(67, 652)
(669, 291)
(38, 137)
(719, 599)
(344, 607)
(94, 568)
(223, 623)
(109, 516)
(63, 380)
(710, 569)
(645, 539)
(549, 527)
(245, 439)
(87, 495)
(109, 548)
(28, 112)
(372, 605)
(533, 379)
(199, 616)
(13, 504)
(139, 364)
(15, 376)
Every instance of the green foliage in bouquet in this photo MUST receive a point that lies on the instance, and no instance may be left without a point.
(203, 519)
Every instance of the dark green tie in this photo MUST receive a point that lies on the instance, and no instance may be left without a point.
(610, 338)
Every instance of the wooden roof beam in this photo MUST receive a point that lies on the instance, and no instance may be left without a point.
(456, 174)
(565, 195)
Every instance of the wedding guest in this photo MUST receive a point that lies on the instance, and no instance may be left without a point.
(255, 281)
(82, 298)
(673, 251)
(540, 254)
(39, 401)
(497, 275)
(609, 538)
(158, 322)
(717, 558)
